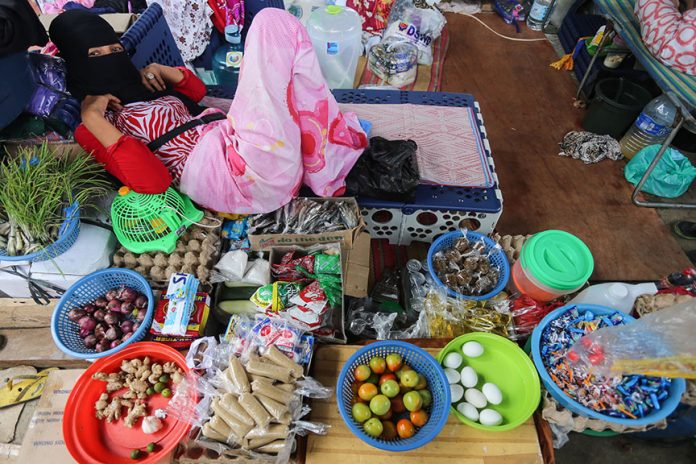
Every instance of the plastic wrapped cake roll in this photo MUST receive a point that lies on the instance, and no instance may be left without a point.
(221, 428)
(272, 392)
(257, 442)
(276, 409)
(229, 401)
(272, 371)
(276, 356)
(252, 406)
(274, 431)
(285, 386)
(235, 372)
(273, 447)
(209, 432)
(221, 411)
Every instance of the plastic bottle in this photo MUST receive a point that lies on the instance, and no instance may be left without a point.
(651, 127)
(541, 9)
(336, 33)
(616, 295)
(228, 58)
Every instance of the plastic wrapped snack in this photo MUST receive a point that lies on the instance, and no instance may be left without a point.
(419, 26)
(658, 344)
(395, 62)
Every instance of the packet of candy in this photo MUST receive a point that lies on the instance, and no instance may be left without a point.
(273, 331)
(311, 297)
(287, 269)
(326, 264)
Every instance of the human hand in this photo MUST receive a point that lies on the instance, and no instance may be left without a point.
(98, 104)
(153, 77)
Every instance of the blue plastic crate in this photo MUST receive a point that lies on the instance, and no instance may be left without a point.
(149, 40)
(436, 209)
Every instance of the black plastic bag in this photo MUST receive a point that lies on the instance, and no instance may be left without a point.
(387, 170)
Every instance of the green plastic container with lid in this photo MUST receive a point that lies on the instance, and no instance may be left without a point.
(552, 263)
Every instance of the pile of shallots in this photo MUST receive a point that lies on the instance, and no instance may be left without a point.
(110, 319)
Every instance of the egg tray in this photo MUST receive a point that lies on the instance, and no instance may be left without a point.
(511, 244)
(197, 251)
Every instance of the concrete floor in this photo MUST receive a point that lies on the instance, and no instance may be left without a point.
(620, 449)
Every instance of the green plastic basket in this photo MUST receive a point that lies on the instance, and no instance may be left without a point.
(146, 223)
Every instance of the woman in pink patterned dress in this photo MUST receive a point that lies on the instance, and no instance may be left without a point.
(669, 32)
(283, 129)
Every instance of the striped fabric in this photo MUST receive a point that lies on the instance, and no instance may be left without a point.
(621, 12)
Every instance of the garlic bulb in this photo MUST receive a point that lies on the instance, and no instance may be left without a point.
(151, 424)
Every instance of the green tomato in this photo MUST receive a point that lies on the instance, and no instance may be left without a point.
(379, 405)
(426, 397)
(409, 379)
(164, 378)
(373, 427)
(378, 365)
(390, 388)
(159, 386)
(362, 372)
(166, 393)
(413, 401)
(150, 391)
(361, 412)
(151, 447)
(135, 454)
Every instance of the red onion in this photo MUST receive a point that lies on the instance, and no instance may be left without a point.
(84, 333)
(112, 294)
(127, 294)
(113, 333)
(75, 314)
(99, 315)
(112, 318)
(141, 302)
(141, 315)
(90, 308)
(136, 326)
(90, 341)
(87, 323)
(99, 331)
(127, 326)
(114, 344)
(126, 307)
(126, 336)
(101, 302)
(114, 305)
(102, 345)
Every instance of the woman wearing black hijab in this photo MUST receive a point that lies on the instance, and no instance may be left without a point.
(284, 127)
(101, 75)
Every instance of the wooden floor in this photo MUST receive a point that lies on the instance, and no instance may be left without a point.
(527, 109)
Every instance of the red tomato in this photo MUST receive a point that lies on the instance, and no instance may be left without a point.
(419, 418)
(389, 430)
(397, 404)
(405, 428)
(386, 377)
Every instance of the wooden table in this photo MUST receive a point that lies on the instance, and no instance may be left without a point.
(457, 443)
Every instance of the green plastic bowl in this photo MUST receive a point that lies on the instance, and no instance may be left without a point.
(506, 365)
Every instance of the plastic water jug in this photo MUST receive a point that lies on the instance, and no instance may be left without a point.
(616, 295)
(228, 58)
(652, 126)
(336, 33)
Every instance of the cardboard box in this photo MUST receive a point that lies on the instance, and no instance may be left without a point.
(357, 267)
(337, 314)
(119, 21)
(45, 434)
(346, 238)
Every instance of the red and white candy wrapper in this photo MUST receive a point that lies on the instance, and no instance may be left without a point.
(305, 315)
(311, 297)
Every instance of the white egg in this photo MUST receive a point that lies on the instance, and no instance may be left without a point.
(490, 417)
(453, 360)
(476, 398)
(469, 377)
(468, 411)
(492, 393)
(472, 349)
(452, 375)
(456, 391)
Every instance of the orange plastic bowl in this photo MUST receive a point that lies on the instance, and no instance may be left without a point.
(92, 441)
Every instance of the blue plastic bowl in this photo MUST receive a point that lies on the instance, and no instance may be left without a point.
(67, 235)
(66, 334)
(666, 407)
(423, 363)
(497, 259)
